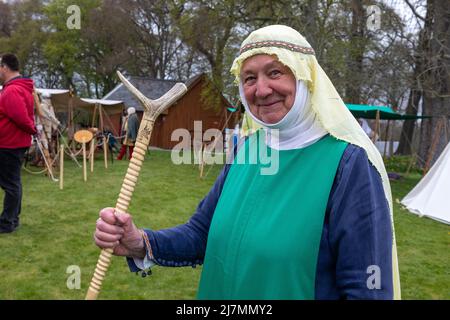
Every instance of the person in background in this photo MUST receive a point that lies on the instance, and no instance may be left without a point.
(16, 129)
(130, 130)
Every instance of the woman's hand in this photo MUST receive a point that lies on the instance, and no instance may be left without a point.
(117, 230)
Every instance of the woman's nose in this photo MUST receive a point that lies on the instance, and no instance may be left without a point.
(263, 88)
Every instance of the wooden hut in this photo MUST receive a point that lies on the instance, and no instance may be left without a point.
(181, 114)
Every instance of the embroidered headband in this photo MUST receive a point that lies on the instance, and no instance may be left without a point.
(279, 44)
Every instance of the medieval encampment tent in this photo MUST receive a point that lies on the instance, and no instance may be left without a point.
(63, 101)
(429, 196)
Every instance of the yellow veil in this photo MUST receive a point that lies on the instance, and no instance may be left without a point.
(295, 52)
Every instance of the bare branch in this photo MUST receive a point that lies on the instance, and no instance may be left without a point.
(414, 10)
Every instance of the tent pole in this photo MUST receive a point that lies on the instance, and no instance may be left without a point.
(93, 116)
(93, 141)
(69, 123)
(102, 129)
(61, 167)
(71, 128)
(391, 139)
(216, 140)
(377, 123)
(386, 133)
(91, 153)
(84, 162)
(113, 131)
(109, 122)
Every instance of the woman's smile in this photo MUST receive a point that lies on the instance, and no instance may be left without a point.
(269, 87)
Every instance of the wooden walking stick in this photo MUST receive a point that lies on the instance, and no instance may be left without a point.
(152, 109)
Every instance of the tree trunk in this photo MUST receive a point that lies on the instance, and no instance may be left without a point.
(310, 10)
(356, 53)
(416, 93)
(407, 133)
(437, 82)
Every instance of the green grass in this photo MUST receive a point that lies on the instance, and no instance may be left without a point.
(57, 227)
(423, 249)
(423, 244)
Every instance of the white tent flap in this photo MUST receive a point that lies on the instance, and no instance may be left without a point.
(429, 197)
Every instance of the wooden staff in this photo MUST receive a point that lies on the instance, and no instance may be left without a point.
(152, 109)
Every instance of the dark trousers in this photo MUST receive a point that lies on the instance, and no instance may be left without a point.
(10, 166)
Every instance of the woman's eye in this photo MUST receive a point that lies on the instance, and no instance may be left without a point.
(274, 73)
(249, 79)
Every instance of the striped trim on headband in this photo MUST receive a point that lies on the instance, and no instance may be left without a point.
(279, 44)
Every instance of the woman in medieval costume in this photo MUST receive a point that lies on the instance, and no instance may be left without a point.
(130, 130)
(319, 227)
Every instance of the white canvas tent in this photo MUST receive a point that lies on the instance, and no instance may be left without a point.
(429, 197)
(61, 99)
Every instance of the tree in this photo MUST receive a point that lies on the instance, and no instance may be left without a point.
(207, 26)
(104, 52)
(5, 20)
(23, 35)
(435, 79)
(64, 46)
(87, 58)
(416, 94)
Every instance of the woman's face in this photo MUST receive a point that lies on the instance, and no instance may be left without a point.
(269, 87)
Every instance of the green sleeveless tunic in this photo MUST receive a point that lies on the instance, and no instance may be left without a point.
(264, 237)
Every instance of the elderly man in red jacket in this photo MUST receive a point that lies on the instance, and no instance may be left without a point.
(16, 128)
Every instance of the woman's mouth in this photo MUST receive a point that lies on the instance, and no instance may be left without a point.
(268, 104)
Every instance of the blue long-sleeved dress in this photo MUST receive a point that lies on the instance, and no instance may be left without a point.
(356, 235)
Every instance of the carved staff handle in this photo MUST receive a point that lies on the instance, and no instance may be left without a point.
(152, 109)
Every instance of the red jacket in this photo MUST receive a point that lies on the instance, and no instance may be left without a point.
(16, 114)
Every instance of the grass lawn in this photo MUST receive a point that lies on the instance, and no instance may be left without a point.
(57, 226)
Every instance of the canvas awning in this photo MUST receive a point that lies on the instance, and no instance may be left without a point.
(110, 106)
(386, 113)
(61, 99)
